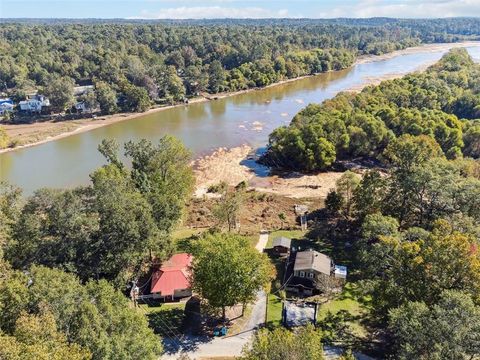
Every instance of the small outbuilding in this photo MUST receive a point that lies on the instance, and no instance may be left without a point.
(281, 245)
(340, 272)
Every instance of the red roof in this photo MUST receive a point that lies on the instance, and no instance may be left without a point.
(172, 275)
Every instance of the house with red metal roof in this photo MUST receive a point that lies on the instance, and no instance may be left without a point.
(172, 280)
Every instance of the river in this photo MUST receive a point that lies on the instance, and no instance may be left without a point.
(247, 118)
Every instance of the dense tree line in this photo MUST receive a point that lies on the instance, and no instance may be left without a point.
(134, 64)
(67, 256)
(48, 314)
(441, 104)
(416, 236)
(106, 230)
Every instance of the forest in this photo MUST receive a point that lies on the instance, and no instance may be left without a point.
(67, 256)
(439, 108)
(134, 64)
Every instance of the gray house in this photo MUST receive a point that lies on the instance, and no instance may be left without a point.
(311, 271)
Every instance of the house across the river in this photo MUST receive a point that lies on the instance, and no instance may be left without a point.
(6, 105)
(34, 103)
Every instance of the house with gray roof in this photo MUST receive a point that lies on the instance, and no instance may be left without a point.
(311, 269)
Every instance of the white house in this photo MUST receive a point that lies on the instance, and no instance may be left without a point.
(6, 105)
(81, 106)
(34, 104)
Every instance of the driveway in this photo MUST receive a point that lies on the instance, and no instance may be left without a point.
(203, 346)
(262, 241)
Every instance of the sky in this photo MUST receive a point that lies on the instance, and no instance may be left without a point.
(199, 9)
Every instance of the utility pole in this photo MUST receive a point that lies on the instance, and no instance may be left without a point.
(134, 293)
(266, 309)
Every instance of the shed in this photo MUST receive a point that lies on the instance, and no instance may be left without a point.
(281, 245)
(340, 272)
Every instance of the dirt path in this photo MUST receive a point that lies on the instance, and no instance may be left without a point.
(262, 241)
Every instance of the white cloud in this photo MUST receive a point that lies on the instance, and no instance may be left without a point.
(405, 8)
(199, 9)
(211, 12)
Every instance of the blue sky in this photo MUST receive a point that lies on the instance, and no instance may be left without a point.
(161, 9)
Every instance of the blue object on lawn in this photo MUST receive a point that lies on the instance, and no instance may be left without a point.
(220, 331)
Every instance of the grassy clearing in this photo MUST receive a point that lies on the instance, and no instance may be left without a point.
(350, 303)
(182, 238)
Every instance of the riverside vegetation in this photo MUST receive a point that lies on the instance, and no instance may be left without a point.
(441, 106)
(411, 232)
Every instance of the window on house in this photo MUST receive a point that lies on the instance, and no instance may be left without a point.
(302, 274)
(310, 275)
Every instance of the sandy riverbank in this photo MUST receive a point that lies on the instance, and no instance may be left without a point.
(41, 132)
(229, 165)
(416, 49)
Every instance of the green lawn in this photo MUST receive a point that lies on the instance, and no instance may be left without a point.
(274, 314)
(351, 303)
(165, 319)
(182, 238)
(184, 233)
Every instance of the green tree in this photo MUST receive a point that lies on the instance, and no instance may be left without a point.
(95, 316)
(126, 226)
(10, 206)
(106, 98)
(334, 202)
(216, 77)
(172, 85)
(136, 98)
(227, 209)
(369, 195)
(346, 186)
(60, 93)
(162, 173)
(376, 225)
(409, 151)
(280, 344)
(419, 266)
(447, 330)
(471, 139)
(36, 338)
(227, 270)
